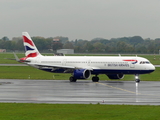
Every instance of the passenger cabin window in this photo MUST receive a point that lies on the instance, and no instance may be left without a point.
(144, 62)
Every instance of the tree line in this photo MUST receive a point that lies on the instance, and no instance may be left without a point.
(135, 45)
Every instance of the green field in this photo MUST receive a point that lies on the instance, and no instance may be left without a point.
(21, 111)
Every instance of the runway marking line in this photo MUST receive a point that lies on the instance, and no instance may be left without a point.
(119, 88)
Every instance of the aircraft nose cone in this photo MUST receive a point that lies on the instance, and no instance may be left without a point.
(152, 67)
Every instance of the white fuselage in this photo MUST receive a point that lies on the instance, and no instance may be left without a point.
(97, 64)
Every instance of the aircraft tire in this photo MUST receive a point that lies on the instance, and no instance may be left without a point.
(137, 80)
(72, 79)
(95, 79)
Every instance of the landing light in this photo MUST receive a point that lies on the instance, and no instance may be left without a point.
(136, 77)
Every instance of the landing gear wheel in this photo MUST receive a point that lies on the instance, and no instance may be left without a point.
(137, 78)
(95, 79)
(72, 79)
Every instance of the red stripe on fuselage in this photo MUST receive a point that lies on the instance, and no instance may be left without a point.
(130, 60)
(25, 39)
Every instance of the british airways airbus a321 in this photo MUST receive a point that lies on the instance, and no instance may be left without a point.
(82, 67)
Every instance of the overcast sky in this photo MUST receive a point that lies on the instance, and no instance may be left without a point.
(80, 19)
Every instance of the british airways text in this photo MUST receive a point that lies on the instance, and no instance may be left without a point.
(118, 65)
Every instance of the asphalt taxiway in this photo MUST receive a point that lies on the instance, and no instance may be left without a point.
(81, 92)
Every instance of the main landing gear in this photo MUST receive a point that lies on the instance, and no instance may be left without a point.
(137, 78)
(95, 78)
(72, 79)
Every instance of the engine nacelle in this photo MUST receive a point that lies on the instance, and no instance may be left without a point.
(116, 76)
(81, 74)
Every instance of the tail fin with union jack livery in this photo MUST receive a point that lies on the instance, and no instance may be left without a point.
(30, 48)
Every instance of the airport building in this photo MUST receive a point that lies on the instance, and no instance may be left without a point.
(66, 51)
(2, 50)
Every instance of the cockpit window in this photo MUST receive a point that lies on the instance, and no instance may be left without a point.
(144, 62)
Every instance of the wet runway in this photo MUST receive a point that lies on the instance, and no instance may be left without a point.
(81, 92)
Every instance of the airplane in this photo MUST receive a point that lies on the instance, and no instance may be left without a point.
(82, 67)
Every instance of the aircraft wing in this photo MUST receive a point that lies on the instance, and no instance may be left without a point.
(61, 66)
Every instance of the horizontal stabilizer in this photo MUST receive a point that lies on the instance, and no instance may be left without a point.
(16, 57)
(20, 60)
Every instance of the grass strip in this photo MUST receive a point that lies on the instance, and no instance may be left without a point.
(25, 111)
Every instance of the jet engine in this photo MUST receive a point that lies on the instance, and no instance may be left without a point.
(81, 74)
(115, 76)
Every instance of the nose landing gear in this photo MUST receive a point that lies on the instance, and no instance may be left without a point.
(137, 80)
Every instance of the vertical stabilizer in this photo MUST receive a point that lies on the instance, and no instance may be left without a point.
(30, 48)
